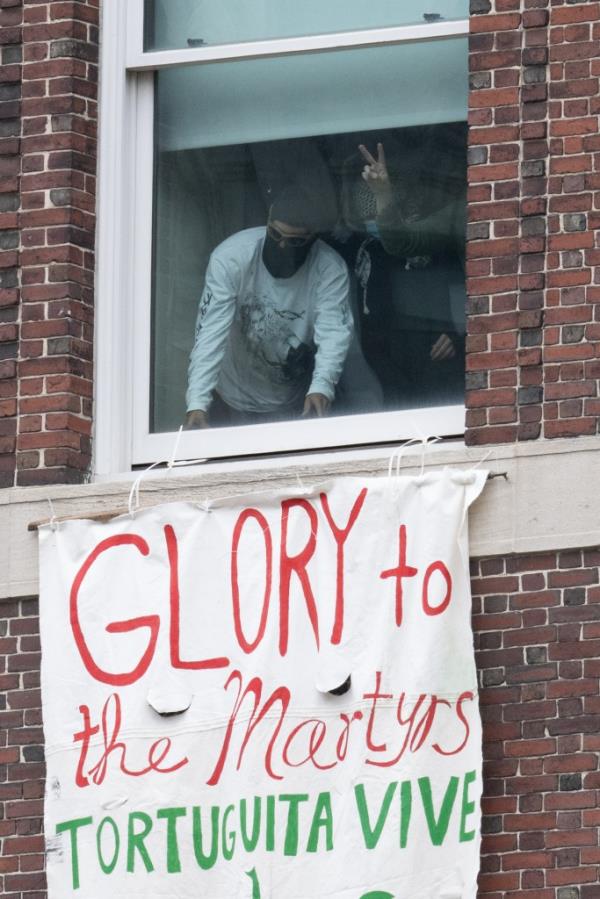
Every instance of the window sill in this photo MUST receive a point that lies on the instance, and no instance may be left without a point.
(546, 503)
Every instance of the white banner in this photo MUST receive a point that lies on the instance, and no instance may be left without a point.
(266, 697)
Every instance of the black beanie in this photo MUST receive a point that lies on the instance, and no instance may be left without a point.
(297, 207)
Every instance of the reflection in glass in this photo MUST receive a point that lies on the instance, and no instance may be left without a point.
(403, 245)
(176, 24)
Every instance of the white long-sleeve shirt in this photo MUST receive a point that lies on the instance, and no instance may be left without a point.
(250, 327)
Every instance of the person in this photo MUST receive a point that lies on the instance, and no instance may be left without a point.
(274, 322)
(412, 221)
(404, 238)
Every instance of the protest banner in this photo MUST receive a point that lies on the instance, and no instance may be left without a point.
(268, 696)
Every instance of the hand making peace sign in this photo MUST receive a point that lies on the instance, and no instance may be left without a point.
(375, 174)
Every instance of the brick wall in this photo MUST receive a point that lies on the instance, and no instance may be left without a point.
(21, 753)
(537, 624)
(10, 166)
(58, 186)
(537, 627)
(533, 363)
(48, 115)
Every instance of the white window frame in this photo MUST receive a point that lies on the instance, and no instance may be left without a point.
(124, 249)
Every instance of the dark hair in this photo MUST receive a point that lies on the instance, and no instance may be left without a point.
(296, 206)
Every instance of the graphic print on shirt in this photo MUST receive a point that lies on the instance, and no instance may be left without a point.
(271, 341)
(204, 304)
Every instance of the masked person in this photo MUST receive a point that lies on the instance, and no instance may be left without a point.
(404, 238)
(274, 323)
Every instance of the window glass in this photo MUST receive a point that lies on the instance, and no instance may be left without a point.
(174, 24)
(356, 291)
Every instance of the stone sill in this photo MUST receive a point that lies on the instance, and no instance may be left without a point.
(549, 500)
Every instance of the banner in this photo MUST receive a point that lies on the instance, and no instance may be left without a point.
(266, 697)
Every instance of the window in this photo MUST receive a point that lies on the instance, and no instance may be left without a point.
(179, 24)
(231, 120)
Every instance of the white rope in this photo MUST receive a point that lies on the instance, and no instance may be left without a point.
(483, 459)
(425, 444)
(134, 494)
(301, 483)
(53, 519)
(397, 455)
(175, 448)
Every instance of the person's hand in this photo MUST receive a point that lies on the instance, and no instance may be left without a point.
(442, 349)
(196, 418)
(376, 175)
(315, 404)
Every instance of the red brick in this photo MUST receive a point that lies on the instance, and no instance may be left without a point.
(490, 23)
(571, 876)
(495, 135)
(525, 748)
(494, 97)
(582, 12)
(492, 173)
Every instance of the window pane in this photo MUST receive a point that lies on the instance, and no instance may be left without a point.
(230, 141)
(293, 96)
(173, 24)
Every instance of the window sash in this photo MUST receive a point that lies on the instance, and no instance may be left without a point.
(318, 43)
(142, 61)
(285, 437)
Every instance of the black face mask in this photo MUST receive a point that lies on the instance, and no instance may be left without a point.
(283, 262)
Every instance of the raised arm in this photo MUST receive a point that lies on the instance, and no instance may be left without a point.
(215, 315)
(401, 234)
